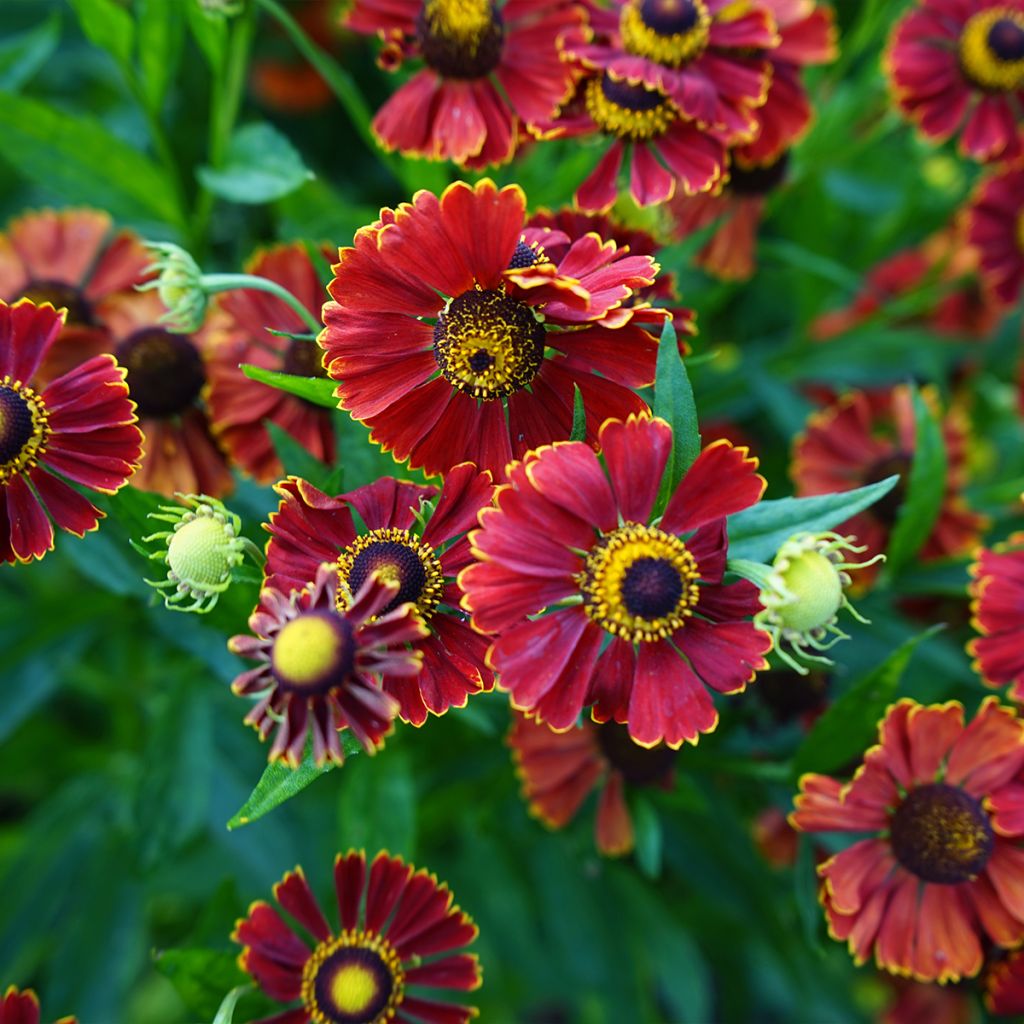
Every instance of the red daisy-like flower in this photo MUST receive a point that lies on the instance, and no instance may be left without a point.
(73, 260)
(944, 868)
(455, 341)
(957, 66)
(239, 407)
(81, 427)
(320, 665)
(558, 770)
(1004, 986)
(400, 936)
(866, 436)
(422, 554)
(23, 1008)
(491, 68)
(640, 623)
(997, 595)
(995, 227)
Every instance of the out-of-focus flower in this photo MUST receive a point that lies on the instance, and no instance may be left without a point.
(776, 840)
(22, 1007)
(1004, 986)
(80, 427)
(997, 596)
(957, 68)
(320, 666)
(490, 69)
(399, 931)
(995, 227)
(417, 538)
(942, 871)
(640, 624)
(455, 341)
(917, 1003)
(558, 770)
(240, 407)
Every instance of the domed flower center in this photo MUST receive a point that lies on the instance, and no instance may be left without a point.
(671, 32)
(488, 345)
(460, 38)
(400, 558)
(165, 371)
(640, 583)
(814, 591)
(639, 766)
(60, 296)
(628, 111)
(525, 255)
(24, 429)
(356, 978)
(992, 49)
(304, 358)
(313, 653)
(200, 551)
(941, 834)
(758, 180)
(887, 507)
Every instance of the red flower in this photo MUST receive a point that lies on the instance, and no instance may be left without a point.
(914, 1003)
(405, 936)
(1004, 986)
(80, 427)
(240, 406)
(318, 665)
(448, 285)
(640, 622)
(558, 770)
(866, 436)
(997, 593)
(957, 66)
(944, 868)
(995, 227)
(23, 1008)
(310, 528)
(490, 69)
(70, 259)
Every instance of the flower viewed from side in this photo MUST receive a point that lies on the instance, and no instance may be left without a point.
(414, 536)
(558, 770)
(997, 595)
(80, 427)
(995, 227)
(491, 70)
(866, 436)
(1004, 986)
(398, 944)
(455, 341)
(179, 283)
(957, 68)
(320, 667)
(23, 1008)
(595, 602)
(942, 872)
(240, 407)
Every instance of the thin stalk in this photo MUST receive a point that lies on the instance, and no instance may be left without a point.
(212, 283)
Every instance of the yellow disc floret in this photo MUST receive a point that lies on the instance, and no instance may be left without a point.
(670, 32)
(24, 428)
(627, 110)
(992, 49)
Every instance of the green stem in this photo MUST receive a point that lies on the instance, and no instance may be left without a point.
(212, 283)
(758, 573)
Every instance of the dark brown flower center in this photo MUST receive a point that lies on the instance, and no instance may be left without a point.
(304, 358)
(61, 296)
(524, 256)
(992, 49)
(626, 110)
(651, 587)
(671, 32)
(887, 507)
(639, 766)
(23, 429)
(1006, 40)
(460, 38)
(669, 17)
(354, 979)
(758, 181)
(165, 371)
(313, 653)
(941, 834)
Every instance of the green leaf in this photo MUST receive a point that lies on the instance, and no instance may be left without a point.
(579, 416)
(377, 808)
(23, 55)
(318, 390)
(78, 158)
(849, 726)
(211, 34)
(226, 1013)
(757, 532)
(926, 487)
(202, 976)
(160, 31)
(673, 402)
(261, 165)
(108, 25)
(647, 832)
(297, 461)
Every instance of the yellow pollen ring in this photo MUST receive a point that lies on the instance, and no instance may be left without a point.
(308, 650)
(673, 50)
(34, 445)
(354, 988)
(625, 122)
(980, 63)
(462, 21)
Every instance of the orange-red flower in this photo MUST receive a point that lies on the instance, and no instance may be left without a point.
(558, 770)
(455, 341)
(995, 227)
(420, 546)
(240, 407)
(997, 596)
(400, 933)
(943, 869)
(595, 604)
(23, 1008)
(80, 427)
(1004, 986)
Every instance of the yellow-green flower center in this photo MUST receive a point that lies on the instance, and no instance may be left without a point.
(628, 111)
(24, 429)
(460, 38)
(992, 49)
(816, 592)
(671, 32)
(313, 652)
(201, 551)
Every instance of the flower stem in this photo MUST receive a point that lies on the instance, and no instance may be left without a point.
(212, 283)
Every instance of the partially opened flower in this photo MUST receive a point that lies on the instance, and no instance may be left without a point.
(23, 1008)
(995, 227)
(80, 427)
(598, 602)
(942, 871)
(491, 69)
(240, 408)
(559, 770)
(455, 341)
(957, 68)
(997, 596)
(1004, 986)
(416, 537)
(320, 666)
(399, 943)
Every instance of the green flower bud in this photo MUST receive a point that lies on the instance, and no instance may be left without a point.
(179, 283)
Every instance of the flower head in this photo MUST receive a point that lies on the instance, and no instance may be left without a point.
(1004, 986)
(997, 592)
(399, 932)
(23, 1008)
(995, 228)
(179, 283)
